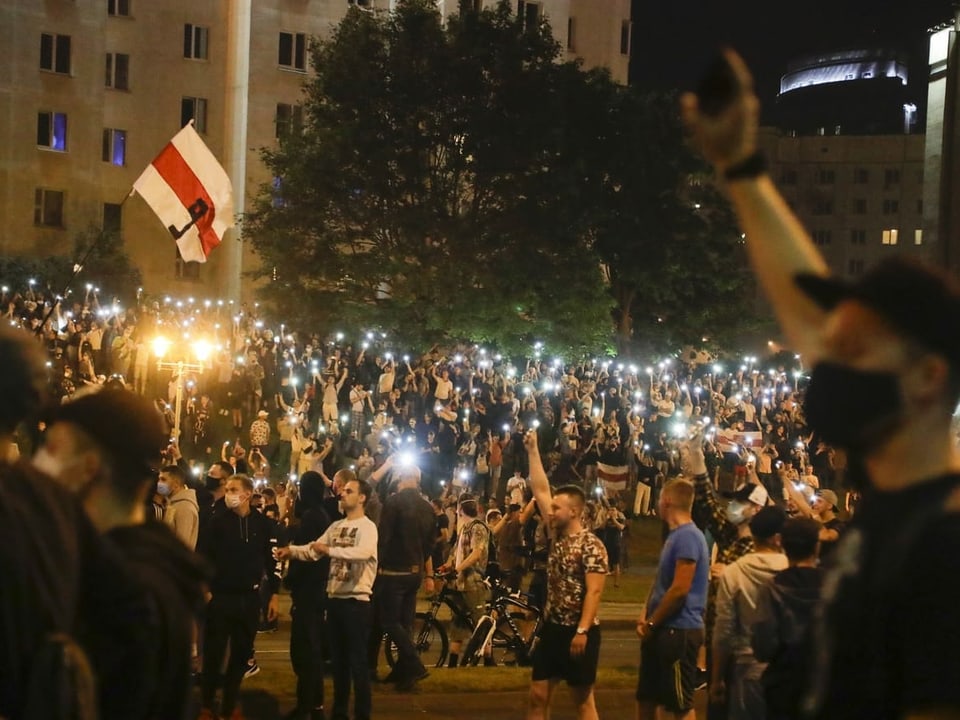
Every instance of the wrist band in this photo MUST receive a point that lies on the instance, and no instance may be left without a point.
(754, 165)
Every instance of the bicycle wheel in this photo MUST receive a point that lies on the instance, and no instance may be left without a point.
(507, 647)
(429, 638)
(473, 652)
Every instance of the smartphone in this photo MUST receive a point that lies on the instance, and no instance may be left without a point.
(717, 87)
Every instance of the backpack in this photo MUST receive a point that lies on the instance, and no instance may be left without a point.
(492, 571)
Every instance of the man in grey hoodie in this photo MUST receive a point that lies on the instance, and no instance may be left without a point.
(735, 671)
(183, 512)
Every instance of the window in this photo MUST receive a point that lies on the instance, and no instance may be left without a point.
(118, 71)
(858, 237)
(112, 218)
(823, 207)
(195, 42)
(184, 270)
(55, 53)
(626, 30)
(114, 146)
(789, 176)
(891, 207)
(528, 13)
(918, 237)
(571, 34)
(52, 131)
(293, 51)
(889, 237)
(825, 177)
(195, 109)
(289, 119)
(891, 176)
(48, 208)
(822, 237)
(859, 206)
(854, 267)
(118, 8)
(861, 176)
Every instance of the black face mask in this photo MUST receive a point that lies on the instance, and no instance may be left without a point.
(852, 409)
(212, 483)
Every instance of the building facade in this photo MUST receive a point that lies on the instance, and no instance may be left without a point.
(93, 90)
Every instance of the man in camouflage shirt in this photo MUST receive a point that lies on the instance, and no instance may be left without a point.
(569, 646)
(469, 559)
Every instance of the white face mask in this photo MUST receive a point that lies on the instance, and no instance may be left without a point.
(47, 463)
(163, 488)
(233, 501)
(734, 512)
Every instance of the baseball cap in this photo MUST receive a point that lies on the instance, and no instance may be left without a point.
(830, 496)
(752, 492)
(920, 301)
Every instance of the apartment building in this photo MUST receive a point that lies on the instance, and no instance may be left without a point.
(93, 89)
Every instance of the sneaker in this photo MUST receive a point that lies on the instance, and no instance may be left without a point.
(701, 680)
(252, 669)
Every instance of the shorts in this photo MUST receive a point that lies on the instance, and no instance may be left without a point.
(472, 599)
(552, 661)
(668, 668)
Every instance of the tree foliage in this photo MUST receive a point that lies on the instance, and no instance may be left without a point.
(455, 181)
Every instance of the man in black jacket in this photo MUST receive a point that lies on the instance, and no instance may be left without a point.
(104, 447)
(240, 548)
(308, 586)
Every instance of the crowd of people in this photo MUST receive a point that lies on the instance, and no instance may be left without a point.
(357, 475)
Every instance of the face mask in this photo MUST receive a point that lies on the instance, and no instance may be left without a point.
(734, 512)
(232, 501)
(852, 409)
(163, 488)
(212, 483)
(47, 463)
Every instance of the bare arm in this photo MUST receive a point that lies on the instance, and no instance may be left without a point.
(777, 244)
(538, 476)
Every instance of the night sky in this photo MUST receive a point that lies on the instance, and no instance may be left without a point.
(673, 39)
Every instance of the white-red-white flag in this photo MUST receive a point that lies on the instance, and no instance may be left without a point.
(191, 194)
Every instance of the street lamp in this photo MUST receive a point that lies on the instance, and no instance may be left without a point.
(201, 351)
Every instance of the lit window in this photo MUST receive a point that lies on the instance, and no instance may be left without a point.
(195, 109)
(118, 8)
(55, 53)
(52, 131)
(889, 237)
(114, 146)
(118, 71)
(48, 208)
(918, 237)
(196, 40)
(293, 51)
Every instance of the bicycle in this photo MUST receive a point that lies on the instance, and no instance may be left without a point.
(500, 629)
(429, 635)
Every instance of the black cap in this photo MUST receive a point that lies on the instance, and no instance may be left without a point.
(917, 300)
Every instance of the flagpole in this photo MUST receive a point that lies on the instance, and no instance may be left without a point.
(77, 269)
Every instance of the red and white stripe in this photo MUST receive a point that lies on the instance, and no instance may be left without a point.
(183, 172)
(613, 477)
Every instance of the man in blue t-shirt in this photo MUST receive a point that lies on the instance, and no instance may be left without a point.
(671, 625)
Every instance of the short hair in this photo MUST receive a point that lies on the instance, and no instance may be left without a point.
(269, 492)
(174, 471)
(227, 468)
(408, 473)
(346, 475)
(681, 493)
(470, 508)
(363, 487)
(23, 383)
(799, 538)
(244, 480)
(573, 491)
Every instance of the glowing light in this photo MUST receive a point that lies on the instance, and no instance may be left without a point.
(160, 346)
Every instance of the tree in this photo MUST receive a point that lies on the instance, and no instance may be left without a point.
(673, 254)
(438, 187)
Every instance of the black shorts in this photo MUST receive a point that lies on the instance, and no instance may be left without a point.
(552, 661)
(668, 668)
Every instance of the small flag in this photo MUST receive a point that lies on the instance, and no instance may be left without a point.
(613, 477)
(191, 194)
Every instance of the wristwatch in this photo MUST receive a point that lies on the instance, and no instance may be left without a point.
(582, 631)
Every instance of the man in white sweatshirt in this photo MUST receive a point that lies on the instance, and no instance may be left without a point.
(736, 672)
(351, 544)
(182, 513)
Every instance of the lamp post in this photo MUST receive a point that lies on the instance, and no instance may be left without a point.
(201, 350)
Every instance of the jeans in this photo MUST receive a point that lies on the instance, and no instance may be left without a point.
(306, 651)
(231, 617)
(349, 626)
(397, 603)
